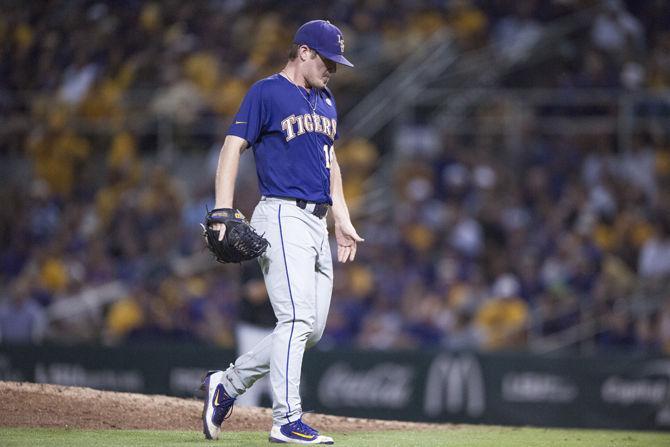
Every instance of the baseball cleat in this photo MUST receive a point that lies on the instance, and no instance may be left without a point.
(218, 405)
(297, 433)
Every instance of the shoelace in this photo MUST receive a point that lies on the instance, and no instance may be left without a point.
(229, 413)
(227, 401)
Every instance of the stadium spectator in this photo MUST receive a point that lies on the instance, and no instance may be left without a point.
(22, 319)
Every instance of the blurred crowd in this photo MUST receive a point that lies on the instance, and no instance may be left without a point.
(113, 117)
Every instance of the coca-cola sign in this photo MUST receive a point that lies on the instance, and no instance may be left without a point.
(387, 385)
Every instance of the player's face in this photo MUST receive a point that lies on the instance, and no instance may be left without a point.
(318, 70)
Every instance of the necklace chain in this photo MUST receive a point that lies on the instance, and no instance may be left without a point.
(316, 97)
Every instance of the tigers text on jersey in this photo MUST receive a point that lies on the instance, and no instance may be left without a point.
(292, 131)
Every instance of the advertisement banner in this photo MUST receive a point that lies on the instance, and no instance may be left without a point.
(160, 369)
(459, 387)
(514, 389)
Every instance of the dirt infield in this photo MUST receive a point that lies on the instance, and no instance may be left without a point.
(40, 405)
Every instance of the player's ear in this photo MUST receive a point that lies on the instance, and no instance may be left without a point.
(304, 52)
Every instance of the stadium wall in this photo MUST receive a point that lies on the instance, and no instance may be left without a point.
(631, 392)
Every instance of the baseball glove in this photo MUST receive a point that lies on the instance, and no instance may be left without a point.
(239, 243)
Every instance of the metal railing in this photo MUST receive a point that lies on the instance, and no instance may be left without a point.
(648, 296)
(487, 66)
(447, 80)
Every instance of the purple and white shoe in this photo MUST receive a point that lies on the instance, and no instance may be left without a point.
(218, 404)
(297, 433)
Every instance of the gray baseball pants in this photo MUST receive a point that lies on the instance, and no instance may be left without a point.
(298, 271)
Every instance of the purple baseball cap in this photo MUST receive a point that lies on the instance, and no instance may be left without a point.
(324, 38)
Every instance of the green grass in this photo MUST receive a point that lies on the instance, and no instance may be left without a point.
(462, 436)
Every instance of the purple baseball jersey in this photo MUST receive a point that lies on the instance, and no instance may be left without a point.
(292, 131)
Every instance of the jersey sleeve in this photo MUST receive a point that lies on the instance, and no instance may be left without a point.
(251, 116)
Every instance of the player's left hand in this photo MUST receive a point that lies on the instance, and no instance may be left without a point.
(347, 240)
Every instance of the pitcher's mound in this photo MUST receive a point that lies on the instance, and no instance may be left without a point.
(39, 405)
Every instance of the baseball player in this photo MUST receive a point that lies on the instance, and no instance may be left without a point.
(290, 121)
